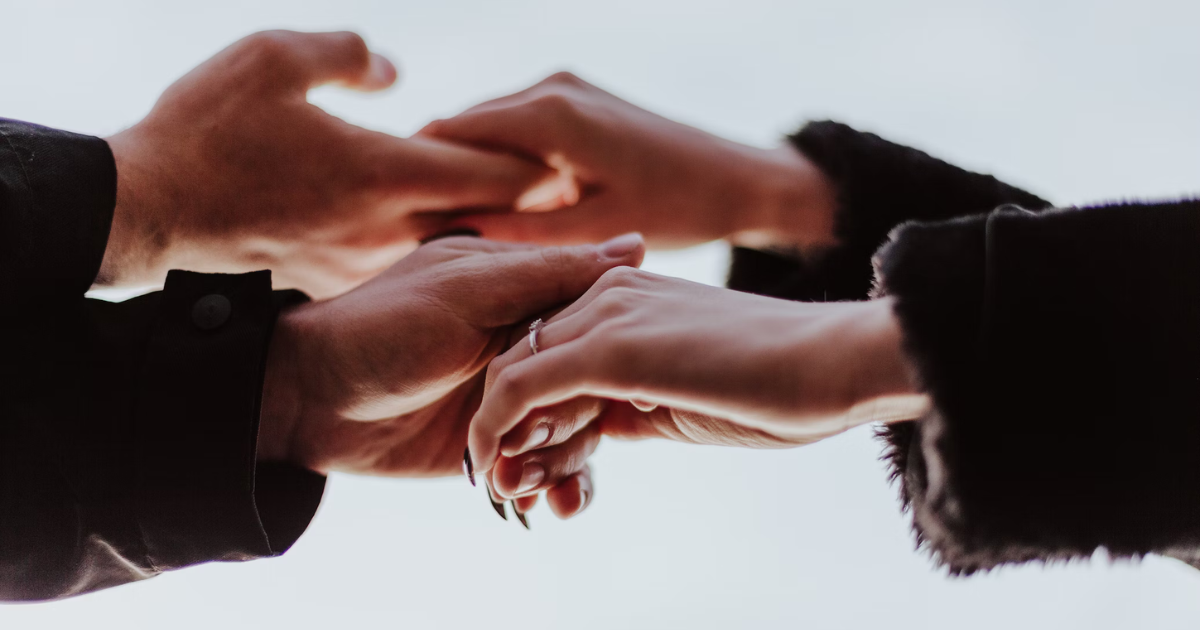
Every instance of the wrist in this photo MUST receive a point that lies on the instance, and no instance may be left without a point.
(790, 202)
(279, 417)
(885, 382)
(138, 241)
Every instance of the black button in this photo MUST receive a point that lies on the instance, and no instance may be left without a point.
(211, 311)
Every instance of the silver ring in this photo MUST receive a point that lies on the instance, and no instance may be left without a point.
(534, 329)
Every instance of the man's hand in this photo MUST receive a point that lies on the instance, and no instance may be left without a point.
(631, 170)
(383, 380)
(234, 170)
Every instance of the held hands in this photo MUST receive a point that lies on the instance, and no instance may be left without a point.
(233, 170)
(722, 367)
(634, 170)
(383, 380)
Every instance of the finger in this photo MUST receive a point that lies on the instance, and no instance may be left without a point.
(550, 426)
(538, 124)
(579, 223)
(572, 496)
(551, 377)
(575, 319)
(524, 504)
(306, 60)
(435, 175)
(561, 329)
(515, 286)
(543, 468)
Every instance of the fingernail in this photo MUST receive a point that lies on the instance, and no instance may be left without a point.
(531, 475)
(499, 507)
(520, 515)
(643, 406)
(584, 495)
(455, 231)
(621, 246)
(468, 467)
(381, 70)
(538, 437)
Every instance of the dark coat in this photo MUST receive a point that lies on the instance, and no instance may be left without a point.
(1061, 348)
(127, 431)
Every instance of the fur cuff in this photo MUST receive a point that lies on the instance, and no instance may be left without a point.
(1062, 355)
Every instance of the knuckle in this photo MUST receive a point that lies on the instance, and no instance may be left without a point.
(614, 302)
(494, 370)
(564, 77)
(270, 46)
(354, 45)
(555, 104)
(617, 277)
(512, 385)
(554, 257)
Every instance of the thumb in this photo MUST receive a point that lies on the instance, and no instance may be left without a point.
(519, 284)
(307, 60)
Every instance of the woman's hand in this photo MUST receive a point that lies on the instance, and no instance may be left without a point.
(629, 169)
(700, 364)
(384, 379)
(234, 170)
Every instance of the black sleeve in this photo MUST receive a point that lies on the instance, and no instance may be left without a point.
(879, 186)
(1062, 354)
(127, 431)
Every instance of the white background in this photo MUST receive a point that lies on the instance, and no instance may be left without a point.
(1079, 101)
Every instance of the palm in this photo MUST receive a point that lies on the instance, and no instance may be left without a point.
(428, 442)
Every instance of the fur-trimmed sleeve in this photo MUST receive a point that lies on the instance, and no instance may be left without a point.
(880, 185)
(1062, 353)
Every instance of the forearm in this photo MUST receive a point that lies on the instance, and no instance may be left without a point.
(141, 234)
(790, 202)
(875, 186)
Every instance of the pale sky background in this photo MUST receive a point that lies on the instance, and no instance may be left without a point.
(1077, 100)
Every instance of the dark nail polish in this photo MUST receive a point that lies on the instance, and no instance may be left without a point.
(499, 507)
(520, 515)
(468, 467)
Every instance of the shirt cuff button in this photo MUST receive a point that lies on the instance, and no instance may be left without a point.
(211, 311)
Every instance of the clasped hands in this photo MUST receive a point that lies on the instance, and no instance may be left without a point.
(409, 354)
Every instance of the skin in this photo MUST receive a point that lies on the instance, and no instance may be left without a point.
(622, 168)
(384, 379)
(705, 366)
(645, 356)
(234, 170)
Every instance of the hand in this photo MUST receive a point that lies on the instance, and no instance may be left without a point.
(701, 364)
(383, 380)
(233, 170)
(634, 170)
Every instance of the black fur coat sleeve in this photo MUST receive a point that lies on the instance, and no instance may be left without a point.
(1061, 349)
(879, 186)
(1062, 354)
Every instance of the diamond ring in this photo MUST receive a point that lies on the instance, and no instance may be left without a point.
(534, 329)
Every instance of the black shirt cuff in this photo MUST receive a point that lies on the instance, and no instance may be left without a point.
(201, 496)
